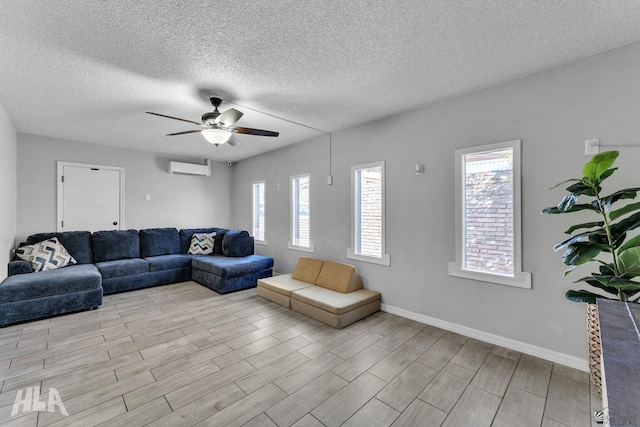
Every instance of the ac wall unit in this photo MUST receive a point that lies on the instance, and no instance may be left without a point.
(190, 168)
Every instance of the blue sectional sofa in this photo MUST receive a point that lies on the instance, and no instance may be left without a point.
(121, 260)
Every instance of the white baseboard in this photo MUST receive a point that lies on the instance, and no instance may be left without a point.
(543, 353)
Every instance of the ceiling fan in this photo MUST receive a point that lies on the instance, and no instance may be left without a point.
(217, 127)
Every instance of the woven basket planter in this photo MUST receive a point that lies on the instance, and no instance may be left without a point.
(595, 350)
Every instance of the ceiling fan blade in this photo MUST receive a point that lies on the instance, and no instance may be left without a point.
(250, 131)
(233, 141)
(184, 133)
(228, 117)
(175, 118)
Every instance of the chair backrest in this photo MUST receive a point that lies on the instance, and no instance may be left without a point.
(307, 269)
(339, 277)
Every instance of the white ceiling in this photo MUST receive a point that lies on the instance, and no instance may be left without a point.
(87, 70)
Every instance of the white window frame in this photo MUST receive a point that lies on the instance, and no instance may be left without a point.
(253, 212)
(385, 258)
(519, 278)
(292, 200)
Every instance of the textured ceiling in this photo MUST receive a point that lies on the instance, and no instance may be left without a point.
(87, 70)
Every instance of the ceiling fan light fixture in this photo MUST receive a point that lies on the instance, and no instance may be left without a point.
(216, 136)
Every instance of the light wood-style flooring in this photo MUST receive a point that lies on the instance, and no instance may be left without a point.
(182, 355)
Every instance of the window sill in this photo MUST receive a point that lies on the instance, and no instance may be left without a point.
(260, 242)
(520, 280)
(384, 260)
(301, 248)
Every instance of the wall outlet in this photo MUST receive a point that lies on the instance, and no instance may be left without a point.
(591, 146)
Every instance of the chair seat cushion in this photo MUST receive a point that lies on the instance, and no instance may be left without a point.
(169, 262)
(67, 280)
(232, 267)
(283, 284)
(122, 267)
(335, 302)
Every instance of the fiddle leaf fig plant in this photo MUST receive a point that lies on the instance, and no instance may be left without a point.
(605, 240)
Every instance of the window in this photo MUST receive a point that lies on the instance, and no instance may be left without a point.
(367, 214)
(488, 215)
(257, 209)
(301, 213)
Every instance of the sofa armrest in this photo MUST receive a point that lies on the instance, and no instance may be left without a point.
(237, 243)
(19, 266)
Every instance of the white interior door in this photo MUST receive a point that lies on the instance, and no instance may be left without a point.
(90, 197)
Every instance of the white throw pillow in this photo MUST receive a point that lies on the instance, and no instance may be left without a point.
(46, 255)
(202, 243)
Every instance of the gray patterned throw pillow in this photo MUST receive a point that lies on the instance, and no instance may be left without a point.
(202, 243)
(46, 255)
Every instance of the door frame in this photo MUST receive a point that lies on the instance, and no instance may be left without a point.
(60, 188)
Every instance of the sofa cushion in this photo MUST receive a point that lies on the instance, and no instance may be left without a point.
(112, 245)
(237, 243)
(77, 243)
(169, 262)
(186, 234)
(71, 279)
(283, 284)
(159, 241)
(232, 267)
(307, 269)
(335, 302)
(217, 247)
(46, 255)
(202, 243)
(122, 267)
(339, 277)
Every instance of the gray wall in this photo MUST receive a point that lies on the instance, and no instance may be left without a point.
(8, 188)
(553, 112)
(176, 200)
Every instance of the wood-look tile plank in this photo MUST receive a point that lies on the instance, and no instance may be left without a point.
(324, 344)
(245, 352)
(246, 408)
(26, 420)
(373, 414)
(475, 408)
(261, 421)
(356, 345)
(218, 337)
(91, 416)
(472, 354)
(192, 391)
(359, 363)
(440, 353)
(568, 401)
(395, 362)
(404, 388)
(175, 354)
(141, 415)
(533, 375)
(139, 345)
(399, 337)
(308, 421)
(181, 363)
(295, 406)
(446, 388)
(147, 393)
(308, 372)
(266, 374)
(519, 408)
(342, 405)
(240, 340)
(201, 408)
(421, 414)
(494, 374)
(163, 347)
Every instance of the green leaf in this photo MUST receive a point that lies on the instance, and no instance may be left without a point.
(574, 208)
(582, 296)
(584, 225)
(564, 182)
(606, 174)
(598, 165)
(580, 253)
(613, 215)
(631, 243)
(593, 282)
(625, 225)
(567, 202)
(577, 238)
(629, 262)
(617, 282)
(627, 193)
(580, 188)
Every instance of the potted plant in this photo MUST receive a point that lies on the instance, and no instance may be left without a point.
(605, 241)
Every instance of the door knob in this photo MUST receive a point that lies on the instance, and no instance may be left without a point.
(115, 222)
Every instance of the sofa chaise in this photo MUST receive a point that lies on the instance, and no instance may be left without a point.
(327, 291)
(121, 260)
